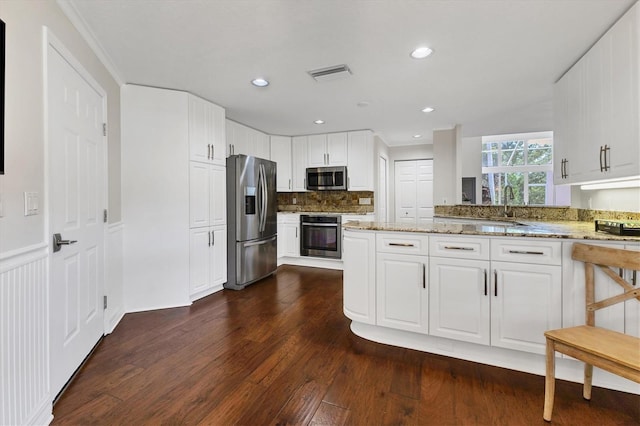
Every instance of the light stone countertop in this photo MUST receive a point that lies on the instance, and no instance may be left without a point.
(521, 228)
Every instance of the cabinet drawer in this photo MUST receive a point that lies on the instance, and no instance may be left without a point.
(460, 248)
(402, 243)
(526, 251)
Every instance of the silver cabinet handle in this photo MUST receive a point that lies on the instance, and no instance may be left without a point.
(328, 161)
(495, 282)
(458, 248)
(209, 236)
(606, 158)
(601, 152)
(424, 275)
(213, 239)
(58, 242)
(296, 232)
(633, 278)
(402, 244)
(539, 253)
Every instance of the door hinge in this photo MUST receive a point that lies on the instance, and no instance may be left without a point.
(104, 129)
(104, 302)
(104, 216)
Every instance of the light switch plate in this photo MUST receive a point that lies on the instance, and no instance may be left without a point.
(31, 203)
(365, 201)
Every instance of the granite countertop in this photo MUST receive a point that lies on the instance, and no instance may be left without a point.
(497, 227)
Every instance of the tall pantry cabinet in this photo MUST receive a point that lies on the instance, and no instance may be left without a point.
(167, 234)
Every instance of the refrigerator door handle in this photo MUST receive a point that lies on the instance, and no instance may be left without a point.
(263, 197)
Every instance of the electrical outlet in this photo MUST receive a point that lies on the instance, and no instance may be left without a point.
(31, 204)
(294, 200)
(444, 201)
(364, 201)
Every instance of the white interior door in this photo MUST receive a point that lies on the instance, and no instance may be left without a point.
(76, 178)
(414, 191)
(424, 190)
(382, 190)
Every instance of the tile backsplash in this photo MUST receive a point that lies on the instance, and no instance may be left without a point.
(326, 201)
(535, 213)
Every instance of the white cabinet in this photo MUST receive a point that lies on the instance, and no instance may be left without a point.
(281, 154)
(360, 161)
(327, 150)
(206, 131)
(245, 140)
(171, 204)
(288, 235)
(506, 296)
(299, 145)
(597, 106)
(526, 301)
(359, 276)
(207, 260)
(459, 287)
(401, 282)
(207, 195)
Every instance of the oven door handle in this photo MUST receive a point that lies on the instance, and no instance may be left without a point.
(326, 225)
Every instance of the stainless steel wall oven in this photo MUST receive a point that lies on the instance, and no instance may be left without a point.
(321, 236)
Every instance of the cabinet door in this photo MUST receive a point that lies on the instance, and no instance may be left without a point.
(317, 151)
(199, 254)
(424, 191)
(359, 276)
(218, 252)
(526, 301)
(459, 299)
(560, 142)
(281, 154)
(401, 292)
(199, 146)
(240, 143)
(360, 161)
(299, 163)
(217, 133)
(624, 134)
(262, 147)
(337, 149)
(230, 136)
(217, 195)
(198, 194)
(582, 151)
(291, 240)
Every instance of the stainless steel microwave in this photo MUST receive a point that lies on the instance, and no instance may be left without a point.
(327, 178)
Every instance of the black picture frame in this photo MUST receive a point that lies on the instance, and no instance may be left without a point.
(2, 63)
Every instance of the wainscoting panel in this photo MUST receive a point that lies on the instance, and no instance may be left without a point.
(24, 337)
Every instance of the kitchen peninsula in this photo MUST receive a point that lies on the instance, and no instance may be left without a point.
(483, 291)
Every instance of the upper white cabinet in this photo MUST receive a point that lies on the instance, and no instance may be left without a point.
(299, 145)
(281, 154)
(360, 161)
(206, 131)
(327, 150)
(207, 195)
(597, 105)
(245, 140)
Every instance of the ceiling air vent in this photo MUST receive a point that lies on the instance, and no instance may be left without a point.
(330, 73)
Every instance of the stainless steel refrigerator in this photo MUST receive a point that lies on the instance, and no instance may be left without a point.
(252, 226)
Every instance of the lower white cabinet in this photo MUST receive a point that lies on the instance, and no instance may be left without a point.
(288, 235)
(207, 260)
(459, 299)
(401, 291)
(359, 276)
(526, 301)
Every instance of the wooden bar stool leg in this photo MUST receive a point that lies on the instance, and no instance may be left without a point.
(550, 380)
(588, 375)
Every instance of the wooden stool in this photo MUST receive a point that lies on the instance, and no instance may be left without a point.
(609, 350)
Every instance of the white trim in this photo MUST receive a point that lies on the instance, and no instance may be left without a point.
(155, 308)
(115, 227)
(23, 254)
(314, 262)
(81, 25)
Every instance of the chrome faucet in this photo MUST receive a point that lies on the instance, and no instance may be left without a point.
(508, 195)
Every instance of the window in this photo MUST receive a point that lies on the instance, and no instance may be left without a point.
(523, 161)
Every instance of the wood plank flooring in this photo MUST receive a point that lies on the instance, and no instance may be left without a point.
(281, 352)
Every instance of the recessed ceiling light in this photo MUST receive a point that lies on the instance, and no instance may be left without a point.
(260, 82)
(421, 52)
(417, 136)
(319, 122)
(427, 109)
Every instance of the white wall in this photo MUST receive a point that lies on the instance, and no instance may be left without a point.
(380, 150)
(400, 153)
(627, 199)
(446, 179)
(24, 116)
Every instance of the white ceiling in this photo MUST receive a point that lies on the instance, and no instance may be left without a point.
(492, 70)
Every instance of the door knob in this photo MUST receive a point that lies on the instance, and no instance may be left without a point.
(58, 242)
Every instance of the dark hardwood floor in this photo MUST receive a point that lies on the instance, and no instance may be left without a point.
(281, 352)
